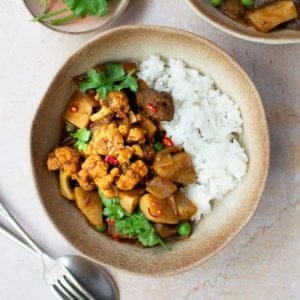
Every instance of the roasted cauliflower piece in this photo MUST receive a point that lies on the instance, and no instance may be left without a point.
(103, 113)
(92, 168)
(136, 135)
(64, 158)
(95, 166)
(105, 182)
(132, 176)
(106, 140)
(124, 130)
(124, 155)
(119, 103)
(84, 181)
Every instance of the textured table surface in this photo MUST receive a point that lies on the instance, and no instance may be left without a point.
(261, 263)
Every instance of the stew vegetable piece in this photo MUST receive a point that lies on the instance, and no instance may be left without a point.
(119, 168)
(263, 15)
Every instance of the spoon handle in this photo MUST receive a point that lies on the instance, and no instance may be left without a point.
(7, 215)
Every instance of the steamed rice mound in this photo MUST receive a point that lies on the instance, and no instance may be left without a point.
(206, 123)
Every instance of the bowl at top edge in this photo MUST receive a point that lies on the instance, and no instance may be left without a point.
(88, 24)
(228, 217)
(210, 14)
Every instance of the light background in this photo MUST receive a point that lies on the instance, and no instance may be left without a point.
(261, 263)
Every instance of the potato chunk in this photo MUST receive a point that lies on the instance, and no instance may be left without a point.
(129, 200)
(79, 110)
(185, 207)
(65, 186)
(267, 18)
(89, 203)
(157, 210)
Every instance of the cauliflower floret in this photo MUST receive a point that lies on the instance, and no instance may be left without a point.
(84, 181)
(106, 140)
(64, 158)
(136, 135)
(95, 166)
(132, 176)
(105, 182)
(92, 168)
(124, 155)
(119, 103)
(124, 129)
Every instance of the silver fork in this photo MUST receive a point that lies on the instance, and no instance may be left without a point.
(61, 282)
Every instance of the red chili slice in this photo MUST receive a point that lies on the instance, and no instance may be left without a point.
(167, 142)
(152, 108)
(74, 108)
(111, 160)
(154, 215)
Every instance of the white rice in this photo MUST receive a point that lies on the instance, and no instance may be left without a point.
(204, 123)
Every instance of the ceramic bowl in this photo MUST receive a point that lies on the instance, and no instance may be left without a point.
(209, 13)
(88, 24)
(228, 217)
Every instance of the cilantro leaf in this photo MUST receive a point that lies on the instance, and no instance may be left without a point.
(113, 78)
(113, 209)
(82, 8)
(137, 225)
(82, 136)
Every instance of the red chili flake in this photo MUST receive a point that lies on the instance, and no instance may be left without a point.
(167, 142)
(74, 108)
(158, 213)
(152, 108)
(111, 160)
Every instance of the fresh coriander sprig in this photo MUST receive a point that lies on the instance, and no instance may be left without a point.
(77, 8)
(131, 225)
(82, 137)
(137, 225)
(114, 78)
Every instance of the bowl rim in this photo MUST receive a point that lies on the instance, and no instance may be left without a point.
(117, 13)
(266, 153)
(263, 40)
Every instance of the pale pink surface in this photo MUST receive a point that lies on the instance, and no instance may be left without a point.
(261, 263)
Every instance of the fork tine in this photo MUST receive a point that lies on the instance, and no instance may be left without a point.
(73, 282)
(71, 289)
(55, 292)
(64, 295)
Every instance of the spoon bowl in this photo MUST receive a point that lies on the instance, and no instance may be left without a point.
(92, 276)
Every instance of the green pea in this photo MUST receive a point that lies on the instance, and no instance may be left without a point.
(102, 228)
(158, 146)
(216, 2)
(247, 2)
(184, 229)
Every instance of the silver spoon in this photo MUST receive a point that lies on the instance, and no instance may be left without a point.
(95, 280)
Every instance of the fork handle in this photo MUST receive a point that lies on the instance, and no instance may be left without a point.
(16, 239)
(12, 221)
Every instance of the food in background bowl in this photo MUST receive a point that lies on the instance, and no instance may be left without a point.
(146, 147)
(263, 15)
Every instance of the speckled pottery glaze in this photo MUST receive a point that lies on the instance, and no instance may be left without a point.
(209, 13)
(228, 217)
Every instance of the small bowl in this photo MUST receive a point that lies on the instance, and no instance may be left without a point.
(228, 217)
(212, 15)
(85, 25)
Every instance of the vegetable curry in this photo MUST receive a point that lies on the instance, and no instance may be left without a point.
(116, 162)
(263, 15)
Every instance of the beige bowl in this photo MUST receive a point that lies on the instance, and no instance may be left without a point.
(228, 216)
(209, 13)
